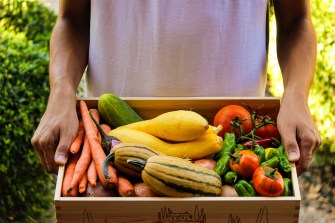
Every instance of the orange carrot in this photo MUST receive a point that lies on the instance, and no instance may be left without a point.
(68, 175)
(96, 114)
(83, 184)
(106, 146)
(124, 187)
(92, 174)
(76, 144)
(106, 128)
(82, 164)
(97, 152)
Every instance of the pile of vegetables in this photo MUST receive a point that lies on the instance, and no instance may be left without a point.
(177, 153)
(254, 171)
(252, 159)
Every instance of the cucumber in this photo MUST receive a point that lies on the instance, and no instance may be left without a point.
(115, 111)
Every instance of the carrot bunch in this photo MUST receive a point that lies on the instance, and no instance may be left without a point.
(86, 158)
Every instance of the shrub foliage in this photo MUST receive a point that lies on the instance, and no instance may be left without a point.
(26, 189)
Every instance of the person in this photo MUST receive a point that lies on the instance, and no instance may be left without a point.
(178, 48)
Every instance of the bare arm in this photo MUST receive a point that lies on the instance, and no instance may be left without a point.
(296, 49)
(69, 45)
(68, 59)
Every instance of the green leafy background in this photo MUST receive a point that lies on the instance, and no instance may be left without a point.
(26, 190)
(26, 193)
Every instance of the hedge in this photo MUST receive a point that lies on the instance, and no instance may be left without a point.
(26, 189)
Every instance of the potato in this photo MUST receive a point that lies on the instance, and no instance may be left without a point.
(98, 191)
(206, 162)
(228, 191)
(142, 190)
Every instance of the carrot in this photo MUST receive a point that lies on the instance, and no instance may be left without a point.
(96, 114)
(83, 184)
(97, 152)
(107, 141)
(91, 171)
(106, 128)
(82, 165)
(92, 174)
(76, 144)
(68, 175)
(124, 187)
(104, 143)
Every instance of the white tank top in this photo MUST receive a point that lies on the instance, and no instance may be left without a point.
(177, 48)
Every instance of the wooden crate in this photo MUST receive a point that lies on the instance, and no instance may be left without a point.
(168, 209)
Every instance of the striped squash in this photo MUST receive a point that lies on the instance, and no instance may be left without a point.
(124, 151)
(177, 177)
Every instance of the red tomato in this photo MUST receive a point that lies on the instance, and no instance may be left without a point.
(226, 115)
(268, 182)
(244, 163)
(267, 131)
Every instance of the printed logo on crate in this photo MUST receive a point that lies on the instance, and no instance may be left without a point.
(166, 215)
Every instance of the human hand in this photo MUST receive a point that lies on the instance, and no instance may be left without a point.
(56, 131)
(298, 131)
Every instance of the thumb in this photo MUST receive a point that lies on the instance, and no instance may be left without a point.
(63, 149)
(67, 136)
(291, 146)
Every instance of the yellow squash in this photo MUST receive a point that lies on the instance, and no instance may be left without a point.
(207, 144)
(179, 125)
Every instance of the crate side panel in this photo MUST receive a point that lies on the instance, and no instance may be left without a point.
(182, 211)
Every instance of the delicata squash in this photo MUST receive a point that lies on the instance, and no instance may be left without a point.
(177, 177)
(119, 155)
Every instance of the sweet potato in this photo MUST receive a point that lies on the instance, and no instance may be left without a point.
(142, 190)
(228, 191)
(206, 162)
(98, 191)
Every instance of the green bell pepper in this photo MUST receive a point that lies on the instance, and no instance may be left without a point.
(260, 152)
(287, 187)
(244, 189)
(230, 177)
(222, 165)
(284, 163)
(273, 162)
(228, 145)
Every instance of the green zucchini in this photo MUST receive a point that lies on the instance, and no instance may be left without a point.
(115, 111)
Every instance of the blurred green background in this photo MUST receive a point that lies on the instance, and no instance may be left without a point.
(26, 193)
